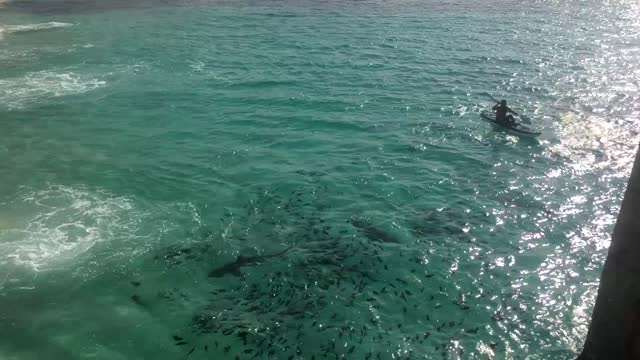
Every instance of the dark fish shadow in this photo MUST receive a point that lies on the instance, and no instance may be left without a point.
(234, 267)
(373, 232)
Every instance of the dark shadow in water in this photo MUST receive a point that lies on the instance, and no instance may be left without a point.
(301, 300)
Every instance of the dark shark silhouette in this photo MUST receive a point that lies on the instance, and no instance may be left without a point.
(233, 268)
(373, 232)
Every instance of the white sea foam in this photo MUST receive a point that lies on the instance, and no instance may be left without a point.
(33, 27)
(34, 87)
(46, 229)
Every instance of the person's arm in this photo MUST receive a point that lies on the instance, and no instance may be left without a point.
(495, 106)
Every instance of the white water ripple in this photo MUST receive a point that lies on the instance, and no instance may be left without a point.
(16, 93)
(33, 27)
(46, 229)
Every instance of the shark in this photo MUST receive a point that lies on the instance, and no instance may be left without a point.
(373, 232)
(233, 268)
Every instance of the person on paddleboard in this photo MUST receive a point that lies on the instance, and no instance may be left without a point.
(503, 115)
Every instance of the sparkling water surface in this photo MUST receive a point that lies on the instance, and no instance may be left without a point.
(308, 179)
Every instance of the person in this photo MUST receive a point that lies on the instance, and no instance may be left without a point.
(503, 115)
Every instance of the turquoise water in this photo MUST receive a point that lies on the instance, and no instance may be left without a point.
(143, 148)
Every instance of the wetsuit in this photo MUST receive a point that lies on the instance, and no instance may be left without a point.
(502, 115)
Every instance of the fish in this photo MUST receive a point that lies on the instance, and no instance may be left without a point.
(233, 268)
(243, 336)
(136, 299)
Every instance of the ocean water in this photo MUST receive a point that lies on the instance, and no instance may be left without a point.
(309, 179)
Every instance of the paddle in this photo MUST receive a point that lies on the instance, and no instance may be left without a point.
(525, 119)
